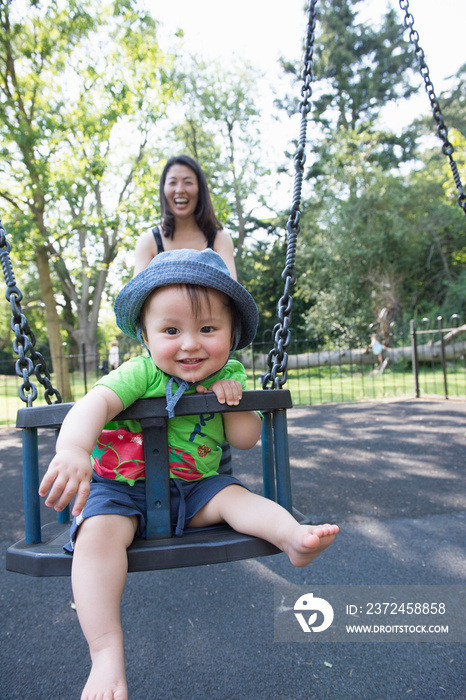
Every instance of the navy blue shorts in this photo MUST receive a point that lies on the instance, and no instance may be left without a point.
(109, 497)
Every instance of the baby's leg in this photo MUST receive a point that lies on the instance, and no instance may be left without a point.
(100, 565)
(251, 514)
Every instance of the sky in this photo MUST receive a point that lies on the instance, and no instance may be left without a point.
(262, 31)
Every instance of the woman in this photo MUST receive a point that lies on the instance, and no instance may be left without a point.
(188, 218)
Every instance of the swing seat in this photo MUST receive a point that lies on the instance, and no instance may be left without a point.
(41, 552)
(213, 545)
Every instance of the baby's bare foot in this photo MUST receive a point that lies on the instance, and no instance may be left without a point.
(107, 679)
(307, 542)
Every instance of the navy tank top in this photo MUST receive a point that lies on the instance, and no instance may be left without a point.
(158, 240)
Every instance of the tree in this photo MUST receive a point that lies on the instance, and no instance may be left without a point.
(378, 245)
(25, 57)
(81, 88)
(453, 101)
(358, 68)
(357, 242)
(221, 130)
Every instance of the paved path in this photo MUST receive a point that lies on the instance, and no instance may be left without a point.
(391, 474)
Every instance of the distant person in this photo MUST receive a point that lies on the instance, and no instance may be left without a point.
(188, 219)
(114, 354)
(189, 313)
(378, 350)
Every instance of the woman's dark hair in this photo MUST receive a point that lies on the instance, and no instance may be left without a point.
(204, 212)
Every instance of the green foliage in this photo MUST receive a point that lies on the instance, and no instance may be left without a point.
(389, 243)
(221, 130)
(357, 69)
(81, 89)
(453, 102)
(260, 270)
(380, 241)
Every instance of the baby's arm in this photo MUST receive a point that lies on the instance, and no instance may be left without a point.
(242, 430)
(70, 471)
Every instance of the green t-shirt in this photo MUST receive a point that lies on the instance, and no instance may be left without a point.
(194, 442)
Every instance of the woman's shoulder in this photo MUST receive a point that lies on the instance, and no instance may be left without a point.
(223, 245)
(146, 249)
(224, 236)
(146, 239)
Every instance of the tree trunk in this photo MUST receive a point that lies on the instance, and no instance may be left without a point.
(238, 202)
(59, 365)
(430, 352)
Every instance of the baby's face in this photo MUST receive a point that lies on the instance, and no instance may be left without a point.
(184, 343)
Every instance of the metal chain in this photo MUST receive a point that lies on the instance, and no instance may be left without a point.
(278, 357)
(442, 131)
(29, 360)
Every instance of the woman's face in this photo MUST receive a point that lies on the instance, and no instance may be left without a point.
(181, 190)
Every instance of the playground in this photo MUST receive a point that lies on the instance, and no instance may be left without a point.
(391, 474)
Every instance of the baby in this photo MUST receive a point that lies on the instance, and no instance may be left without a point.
(190, 314)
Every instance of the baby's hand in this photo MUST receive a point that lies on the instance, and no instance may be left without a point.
(226, 390)
(69, 473)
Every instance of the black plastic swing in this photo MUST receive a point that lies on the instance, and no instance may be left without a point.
(41, 552)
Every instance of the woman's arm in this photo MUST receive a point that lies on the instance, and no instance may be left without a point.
(145, 250)
(223, 245)
(70, 471)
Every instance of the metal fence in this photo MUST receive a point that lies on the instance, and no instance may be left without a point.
(427, 360)
(445, 346)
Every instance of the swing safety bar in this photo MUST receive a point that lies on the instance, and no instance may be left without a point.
(41, 551)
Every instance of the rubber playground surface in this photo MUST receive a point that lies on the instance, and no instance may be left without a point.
(391, 474)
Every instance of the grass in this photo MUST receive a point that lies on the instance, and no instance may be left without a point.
(332, 385)
(308, 387)
(10, 401)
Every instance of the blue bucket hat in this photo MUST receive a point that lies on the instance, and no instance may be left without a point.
(186, 266)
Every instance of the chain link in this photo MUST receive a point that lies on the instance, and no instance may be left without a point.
(29, 360)
(277, 359)
(442, 131)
